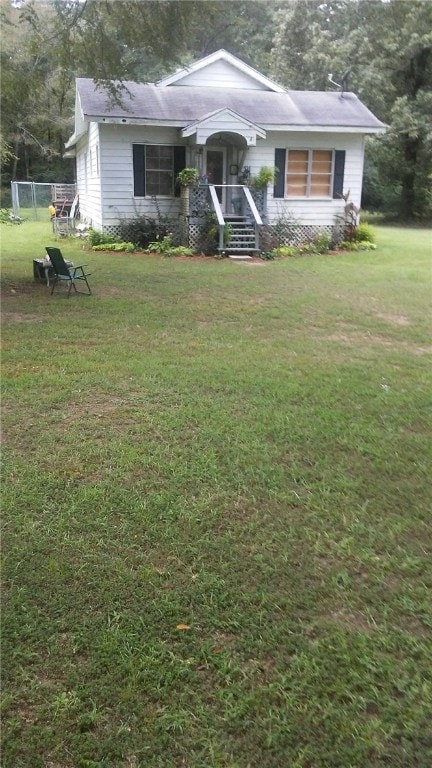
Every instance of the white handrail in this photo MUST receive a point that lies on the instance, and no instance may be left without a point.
(216, 205)
(220, 217)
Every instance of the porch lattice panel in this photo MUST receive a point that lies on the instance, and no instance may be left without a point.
(112, 229)
(193, 233)
(196, 234)
(199, 201)
(275, 235)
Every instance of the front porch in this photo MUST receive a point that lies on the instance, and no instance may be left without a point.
(231, 214)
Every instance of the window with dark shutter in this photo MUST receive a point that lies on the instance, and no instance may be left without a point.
(339, 170)
(280, 160)
(155, 167)
(139, 170)
(179, 165)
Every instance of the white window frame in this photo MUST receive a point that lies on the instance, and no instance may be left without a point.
(159, 146)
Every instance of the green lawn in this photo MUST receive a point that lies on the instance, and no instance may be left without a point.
(241, 449)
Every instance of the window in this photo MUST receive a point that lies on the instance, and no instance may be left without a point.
(159, 170)
(155, 168)
(309, 173)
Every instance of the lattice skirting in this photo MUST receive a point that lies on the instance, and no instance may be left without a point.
(112, 229)
(272, 236)
(193, 234)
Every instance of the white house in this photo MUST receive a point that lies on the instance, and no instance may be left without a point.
(224, 118)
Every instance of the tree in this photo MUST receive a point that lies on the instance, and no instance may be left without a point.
(385, 44)
(50, 42)
(396, 65)
(387, 47)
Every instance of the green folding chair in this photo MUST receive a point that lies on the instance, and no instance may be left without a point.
(64, 273)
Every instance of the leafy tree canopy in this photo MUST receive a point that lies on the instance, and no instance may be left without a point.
(385, 45)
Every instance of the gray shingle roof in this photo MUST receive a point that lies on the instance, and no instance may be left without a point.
(184, 105)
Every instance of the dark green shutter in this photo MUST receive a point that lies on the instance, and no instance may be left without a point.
(139, 169)
(338, 178)
(280, 160)
(179, 165)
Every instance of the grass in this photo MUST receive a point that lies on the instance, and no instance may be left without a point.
(241, 449)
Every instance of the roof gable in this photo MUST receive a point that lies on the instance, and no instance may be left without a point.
(223, 115)
(224, 120)
(221, 69)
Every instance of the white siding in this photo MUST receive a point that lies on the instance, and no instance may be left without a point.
(109, 197)
(116, 168)
(222, 75)
(88, 177)
(313, 211)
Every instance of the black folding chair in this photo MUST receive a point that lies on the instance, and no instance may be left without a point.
(64, 273)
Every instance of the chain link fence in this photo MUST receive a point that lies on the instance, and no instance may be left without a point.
(30, 199)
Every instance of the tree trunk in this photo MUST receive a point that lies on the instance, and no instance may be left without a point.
(407, 198)
(15, 160)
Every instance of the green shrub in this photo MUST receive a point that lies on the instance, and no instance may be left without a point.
(322, 242)
(364, 233)
(144, 230)
(7, 216)
(286, 251)
(128, 247)
(351, 245)
(264, 177)
(99, 238)
(179, 250)
(308, 249)
(283, 252)
(167, 248)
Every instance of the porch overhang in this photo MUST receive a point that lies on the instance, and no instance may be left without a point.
(224, 121)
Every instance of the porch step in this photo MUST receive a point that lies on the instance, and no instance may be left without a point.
(242, 239)
(234, 249)
(239, 257)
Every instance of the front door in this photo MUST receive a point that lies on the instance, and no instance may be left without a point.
(215, 165)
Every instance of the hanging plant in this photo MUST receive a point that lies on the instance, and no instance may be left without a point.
(188, 177)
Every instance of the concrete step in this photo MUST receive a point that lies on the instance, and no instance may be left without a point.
(234, 249)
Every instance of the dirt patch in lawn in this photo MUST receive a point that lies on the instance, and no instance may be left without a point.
(98, 408)
(394, 319)
(21, 317)
(375, 339)
(353, 621)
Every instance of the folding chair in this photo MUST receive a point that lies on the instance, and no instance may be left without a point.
(65, 273)
(64, 224)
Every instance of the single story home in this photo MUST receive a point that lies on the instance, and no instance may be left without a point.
(228, 121)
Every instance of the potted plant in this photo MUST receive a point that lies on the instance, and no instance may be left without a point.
(188, 177)
(265, 176)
